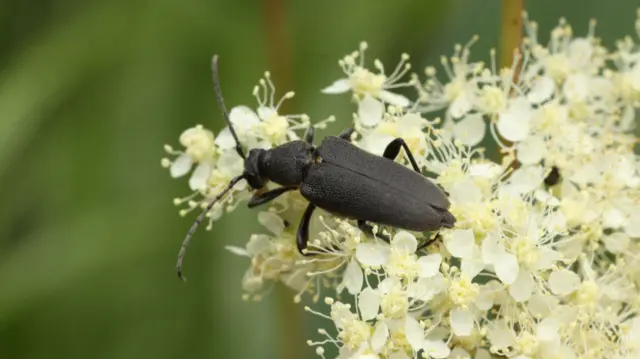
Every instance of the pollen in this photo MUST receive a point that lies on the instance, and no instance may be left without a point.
(364, 81)
(462, 291)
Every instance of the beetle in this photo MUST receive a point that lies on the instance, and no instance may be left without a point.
(340, 178)
(553, 178)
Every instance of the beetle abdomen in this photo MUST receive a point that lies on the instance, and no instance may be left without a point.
(350, 194)
(383, 170)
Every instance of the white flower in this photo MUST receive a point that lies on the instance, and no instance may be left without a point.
(532, 269)
(436, 348)
(470, 130)
(372, 254)
(541, 90)
(460, 243)
(563, 282)
(245, 122)
(363, 82)
(200, 150)
(352, 278)
(369, 303)
(265, 127)
(459, 93)
(370, 111)
(514, 123)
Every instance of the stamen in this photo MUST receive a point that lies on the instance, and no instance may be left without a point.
(267, 76)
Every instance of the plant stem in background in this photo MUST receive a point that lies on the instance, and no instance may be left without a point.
(510, 40)
(291, 338)
(510, 31)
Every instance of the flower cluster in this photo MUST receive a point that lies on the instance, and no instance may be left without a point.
(544, 258)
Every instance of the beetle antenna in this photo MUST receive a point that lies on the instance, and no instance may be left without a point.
(216, 86)
(195, 224)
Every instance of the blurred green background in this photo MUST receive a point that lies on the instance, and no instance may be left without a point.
(89, 93)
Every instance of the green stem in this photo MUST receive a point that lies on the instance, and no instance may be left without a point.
(291, 337)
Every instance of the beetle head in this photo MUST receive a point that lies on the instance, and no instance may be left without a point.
(252, 166)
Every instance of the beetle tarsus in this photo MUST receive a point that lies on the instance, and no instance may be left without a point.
(428, 242)
(268, 196)
(308, 137)
(302, 237)
(346, 134)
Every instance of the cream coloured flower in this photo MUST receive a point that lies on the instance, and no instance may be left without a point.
(363, 82)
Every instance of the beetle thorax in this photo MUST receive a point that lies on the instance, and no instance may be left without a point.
(287, 164)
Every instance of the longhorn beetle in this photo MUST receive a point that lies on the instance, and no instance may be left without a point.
(339, 178)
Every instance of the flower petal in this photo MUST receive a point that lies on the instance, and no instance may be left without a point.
(491, 248)
(470, 130)
(548, 329)
(500, 335)
(376, 142)
(414, 333)
(368, 303)
(237, 251)
(461, 322)
(393, 99)
(473, 264)
(460, 243)
(616, 242)
(531, 150)
(271, 221)
(370, 111)
(563, 282)
(484, 300)
(258, 243)
(506, 267)
(200, 176)
(379, 337)
(405, 242)
(576, 87)
(632, 229)
(352, 278)
(265, 112)
(523, 180)
(225, 140)
(372, 254)
(461, 105)
(465, 191)
(436, 348)
(230, 163)
(430, 265)
(542, 89)
(243, 119)
(398, 355)
(523, 286)
(514, 123)
(482, 354)
(339, 86)
(181, 166)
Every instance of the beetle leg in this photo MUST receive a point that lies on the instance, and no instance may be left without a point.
(302, 237)
(428, 242)
(393, 148)
(368, 230)
(308, 137)
(346, 134)
(268, 196)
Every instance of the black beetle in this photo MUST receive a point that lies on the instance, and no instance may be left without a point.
(339, 178)
(553, 178)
